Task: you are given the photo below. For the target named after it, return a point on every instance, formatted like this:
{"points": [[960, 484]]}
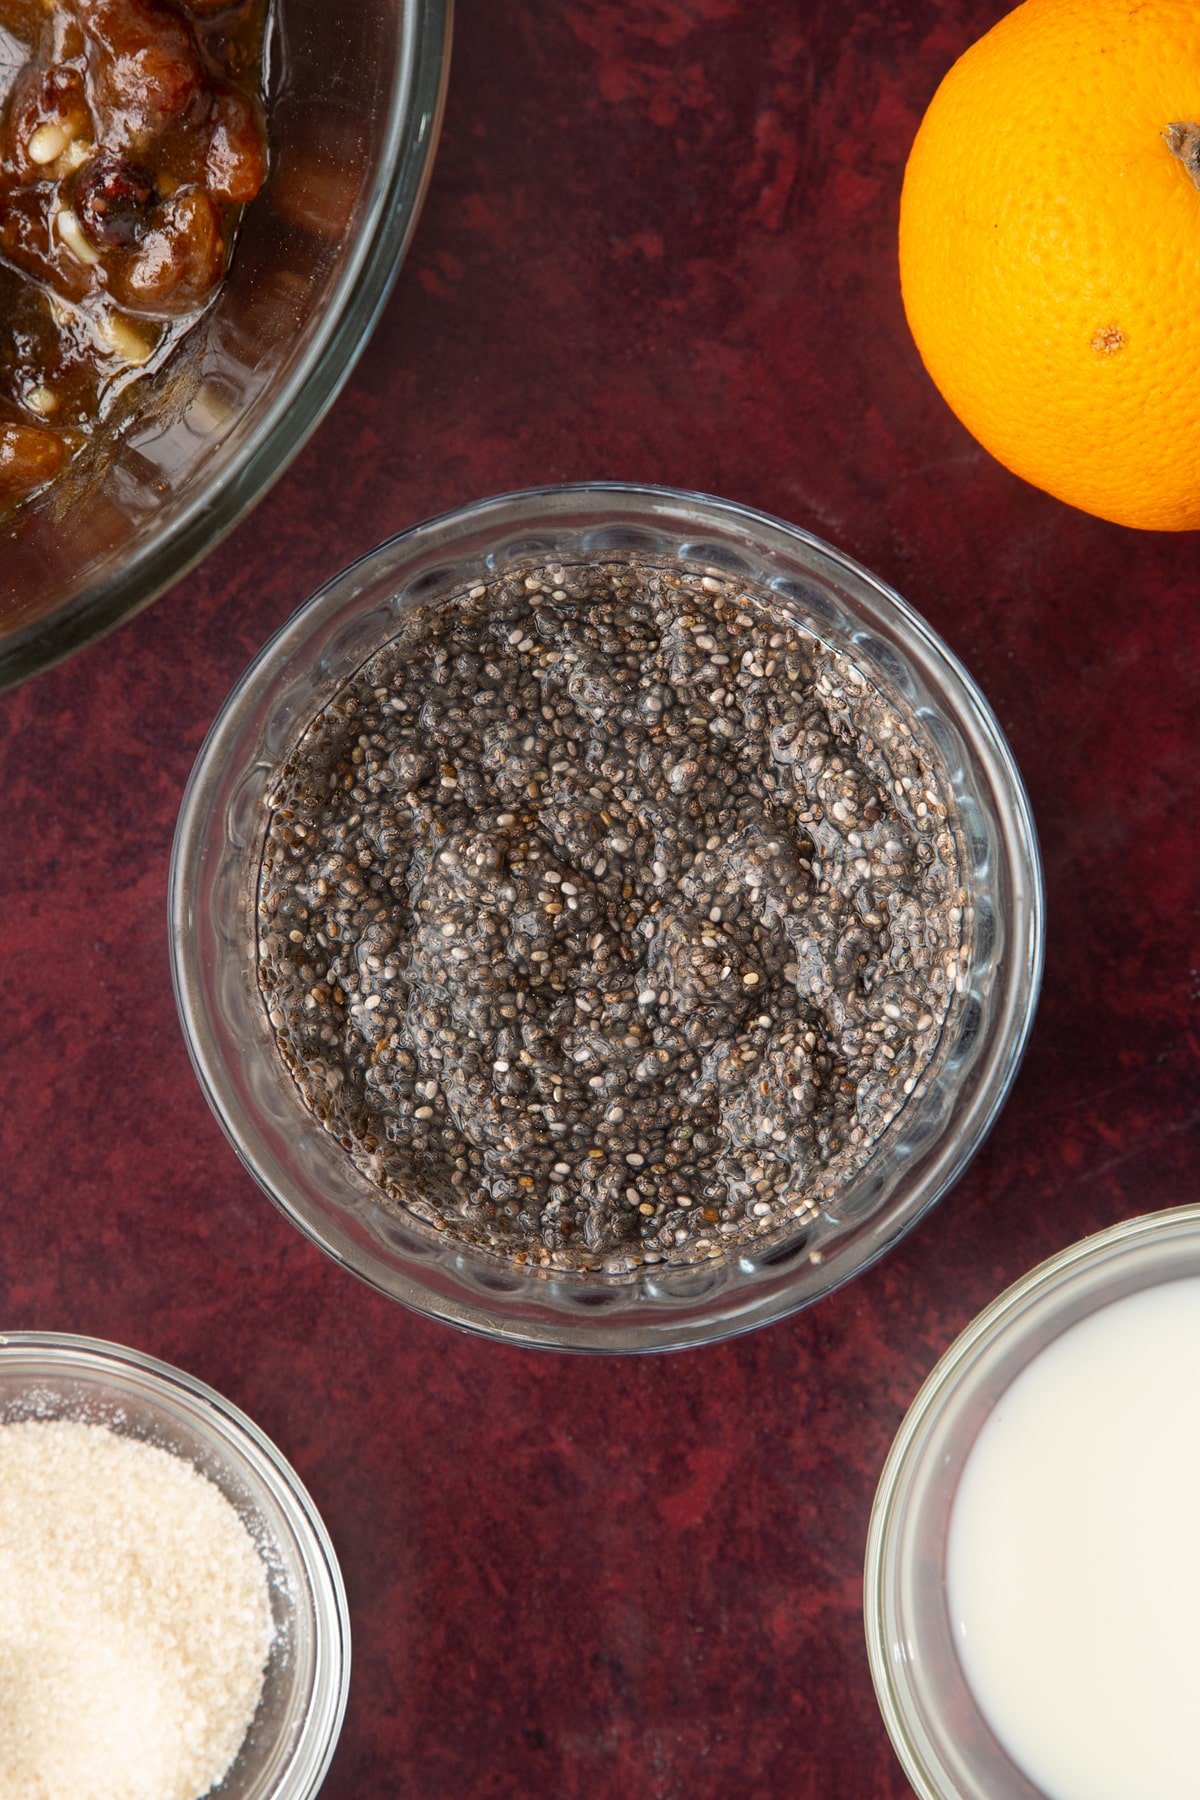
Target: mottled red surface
{"points": [[659, 245]]}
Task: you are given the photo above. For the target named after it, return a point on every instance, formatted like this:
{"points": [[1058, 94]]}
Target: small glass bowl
{"points": [[218, 850], [948, 1750], [56, 1375], [354, 100]]}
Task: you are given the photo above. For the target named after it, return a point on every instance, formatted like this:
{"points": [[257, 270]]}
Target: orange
{"points": [[1050, 251]]}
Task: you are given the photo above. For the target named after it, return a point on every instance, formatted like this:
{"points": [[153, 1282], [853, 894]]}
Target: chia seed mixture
{"points": [[608, 917]]}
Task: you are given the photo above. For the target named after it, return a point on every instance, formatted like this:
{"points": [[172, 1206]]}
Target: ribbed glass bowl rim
{"points": [[251, 1452], [654, 508], [299, 405], [1059, 1275]]}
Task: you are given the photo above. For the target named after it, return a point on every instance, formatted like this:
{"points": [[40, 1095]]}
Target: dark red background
{"points": [[659, 245]]}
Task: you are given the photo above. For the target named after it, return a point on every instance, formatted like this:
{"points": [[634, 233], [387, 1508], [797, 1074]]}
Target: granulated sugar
{"points": [[135, 1619]]}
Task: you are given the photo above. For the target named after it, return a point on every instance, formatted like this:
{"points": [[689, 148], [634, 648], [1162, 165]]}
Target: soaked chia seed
{"points": [[608, 917]]}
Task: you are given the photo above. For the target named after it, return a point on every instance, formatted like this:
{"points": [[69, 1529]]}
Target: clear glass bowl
{"points": [[353, 107], [215, 866], [943, 1740], [55, 1375]]}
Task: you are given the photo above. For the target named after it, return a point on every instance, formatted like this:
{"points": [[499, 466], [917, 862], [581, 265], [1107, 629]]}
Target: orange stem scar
{"points": [[1183, 141]]}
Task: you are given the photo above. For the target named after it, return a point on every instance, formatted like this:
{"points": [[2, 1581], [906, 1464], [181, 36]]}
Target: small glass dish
{"points": [[48, 1375], [942, 1738], [212, 907], [353, 101]]}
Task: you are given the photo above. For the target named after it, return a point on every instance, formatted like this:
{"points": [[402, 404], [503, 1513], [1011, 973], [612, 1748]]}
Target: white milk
{"points": [[1074, 1556]]}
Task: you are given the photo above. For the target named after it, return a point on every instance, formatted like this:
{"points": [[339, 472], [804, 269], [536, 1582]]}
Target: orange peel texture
{"points": [[1050, 252]]}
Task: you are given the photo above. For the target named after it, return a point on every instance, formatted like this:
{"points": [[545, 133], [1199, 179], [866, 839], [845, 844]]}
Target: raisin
{"points": [[145, 67], [236, 166], [28, 457], [114, 201], [180, 262]]}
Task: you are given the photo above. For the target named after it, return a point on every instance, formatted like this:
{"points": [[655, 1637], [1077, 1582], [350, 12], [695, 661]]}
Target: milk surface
{"points": [[1074, 1556]]}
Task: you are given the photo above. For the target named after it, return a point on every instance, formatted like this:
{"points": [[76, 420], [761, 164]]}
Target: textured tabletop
{"points": [[659, 245]]}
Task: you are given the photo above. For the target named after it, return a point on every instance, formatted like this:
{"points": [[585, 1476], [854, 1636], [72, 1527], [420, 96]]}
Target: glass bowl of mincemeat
{"points": [[197, 232], [606, 918]]}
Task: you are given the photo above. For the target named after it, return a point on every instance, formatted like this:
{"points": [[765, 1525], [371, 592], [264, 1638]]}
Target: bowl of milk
{"points": [[1032, 1586]]}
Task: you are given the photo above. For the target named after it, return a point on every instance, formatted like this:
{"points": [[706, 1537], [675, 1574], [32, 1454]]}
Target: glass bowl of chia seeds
{"points": [[65, 1382], [606, 918]]}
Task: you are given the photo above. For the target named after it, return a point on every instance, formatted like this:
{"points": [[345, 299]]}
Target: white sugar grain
{"points": [[135, 1619]]}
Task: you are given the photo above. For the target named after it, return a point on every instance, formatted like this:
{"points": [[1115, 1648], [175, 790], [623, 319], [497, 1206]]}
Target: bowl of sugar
{"points": [[172, 1618], [1033, 1565]]}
